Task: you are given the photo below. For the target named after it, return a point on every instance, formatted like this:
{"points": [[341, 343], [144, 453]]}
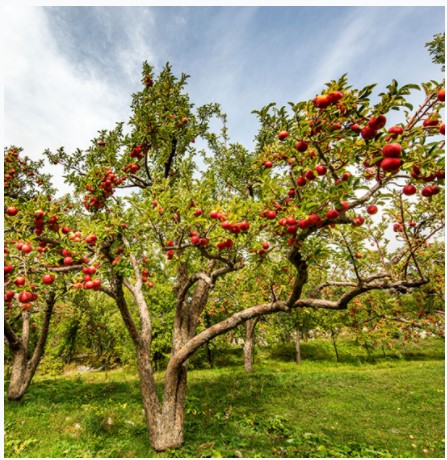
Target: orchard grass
{"points": [[381, 404]]}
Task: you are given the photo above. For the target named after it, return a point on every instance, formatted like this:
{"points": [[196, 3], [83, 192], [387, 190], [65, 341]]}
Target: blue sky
{"points": [[70, 71]]}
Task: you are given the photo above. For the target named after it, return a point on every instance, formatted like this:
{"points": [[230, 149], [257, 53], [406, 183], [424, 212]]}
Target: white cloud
{"points": [[48, 103]]}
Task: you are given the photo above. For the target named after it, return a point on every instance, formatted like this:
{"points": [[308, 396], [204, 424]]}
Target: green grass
{"points": [[390, 408]]}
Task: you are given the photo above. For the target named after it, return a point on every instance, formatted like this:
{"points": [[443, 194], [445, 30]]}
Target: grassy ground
{"points": [[393, 407]]}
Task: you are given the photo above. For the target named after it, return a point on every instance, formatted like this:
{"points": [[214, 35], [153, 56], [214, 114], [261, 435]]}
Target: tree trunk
{"points": [[164, 422], [23, 366], [249, 344], [297, 346], [334, 342], [21, 376]]}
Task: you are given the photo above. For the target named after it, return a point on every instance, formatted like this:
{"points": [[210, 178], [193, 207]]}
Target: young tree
{"points": [[305, 190]]}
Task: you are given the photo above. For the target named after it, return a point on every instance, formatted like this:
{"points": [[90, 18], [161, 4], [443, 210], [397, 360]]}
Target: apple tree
{"points": [[166, 214]]}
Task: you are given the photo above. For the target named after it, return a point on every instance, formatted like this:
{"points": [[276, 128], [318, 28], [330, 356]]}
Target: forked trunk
{"points": [[21, 375]]}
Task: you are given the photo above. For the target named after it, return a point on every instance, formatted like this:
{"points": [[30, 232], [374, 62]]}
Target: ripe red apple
{"points": [[198, 212], [25, 296], [356, 128], [12, 211], [372, 209], [301, 146], [345, 176], [8, 269], [48, 279], [96, 284], [268, 164], [322, 101], [290, 220], [390, 164], [398, 227], [150, 284], [358, 221], [265, 245], [270, 214], [39, 214], [87, 277], [291, 229], [303, 223], [335, 97], [27, 248], [344, 205], [332, 214], [244, 226], [392, 151], [282, 135], [20, 281], [282, 222], [430, 122], [88, 285], [377, 123], [321, 170], [442, 129], [396, 131], [441, 95], [291, 193], [430, 190], [101, 143], [412, 224], [68, 261], [358, 255], [213, 214], [170, 254], [195, 240], [226, 225], [310, 175], [65, 229], [301, 181], [368, 133], [315, 219]]}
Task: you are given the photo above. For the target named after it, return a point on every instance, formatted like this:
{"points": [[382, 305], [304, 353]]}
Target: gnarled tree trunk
{"points": [[249, 344]]}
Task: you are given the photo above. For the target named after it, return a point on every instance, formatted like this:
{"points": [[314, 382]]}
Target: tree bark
{"points": [[249, 344], [297, 345], [23, 366]]}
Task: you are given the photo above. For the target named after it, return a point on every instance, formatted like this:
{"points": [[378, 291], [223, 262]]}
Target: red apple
{"points": [[68, 261], [368, 133], [198, 212], [213, 214], [321, 170], [244, 226], [282, 135], [12, 211], [377, 123], [27, 248], [301, 146], [270, 215], [268, 164], [358, 255], [303, 223], [315, 219], [301, 181], [372, 209], [390, 164], [20, 281], [322, 101], [392, 151], [25, 297], [310, 175], [441, 95], [265, 245], [396, 131], [48, 279], [332, 214], [442, 129]]}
